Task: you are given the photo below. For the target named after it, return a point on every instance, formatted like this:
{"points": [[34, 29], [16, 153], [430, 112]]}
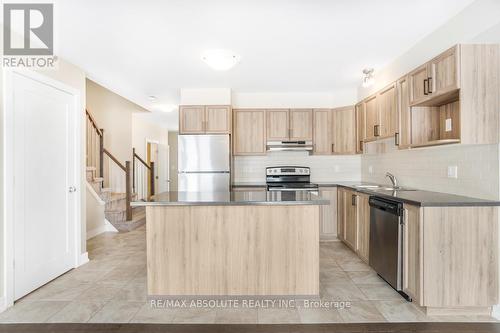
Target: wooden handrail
{"points": [[142, 161], [128, 191], [93, 122], [114, 159]]}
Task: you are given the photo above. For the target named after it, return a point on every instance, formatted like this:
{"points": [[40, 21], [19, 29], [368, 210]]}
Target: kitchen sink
{"points": [[367, 186]]}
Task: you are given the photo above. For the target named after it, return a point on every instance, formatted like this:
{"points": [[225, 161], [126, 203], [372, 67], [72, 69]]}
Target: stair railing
{"points": [[95, 158], [95, 145], [143, 177]]}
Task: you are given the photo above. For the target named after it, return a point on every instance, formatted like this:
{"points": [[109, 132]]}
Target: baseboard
{"points": [[495, 311], [3, 305], [84, 258], [106, 227]]}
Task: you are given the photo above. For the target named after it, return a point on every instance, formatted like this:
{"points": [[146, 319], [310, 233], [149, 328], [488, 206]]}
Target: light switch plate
{"points": [[447, 125], [453, 171]]}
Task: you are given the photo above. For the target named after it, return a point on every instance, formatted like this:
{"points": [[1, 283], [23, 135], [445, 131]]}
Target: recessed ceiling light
{"points": [[368, 79], [220, 60], [152, 98]]}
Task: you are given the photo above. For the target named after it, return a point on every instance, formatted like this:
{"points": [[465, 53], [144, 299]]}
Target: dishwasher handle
{"points": [[391, 207]]}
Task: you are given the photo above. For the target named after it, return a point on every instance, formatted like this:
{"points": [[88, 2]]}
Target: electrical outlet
{"points": [[370, 169], [453, 171], [447, 125]]}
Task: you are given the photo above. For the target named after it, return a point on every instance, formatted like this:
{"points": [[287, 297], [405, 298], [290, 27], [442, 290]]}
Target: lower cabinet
{"points": [[363, 239], [347, 217], [411, 252], [328, 214]]}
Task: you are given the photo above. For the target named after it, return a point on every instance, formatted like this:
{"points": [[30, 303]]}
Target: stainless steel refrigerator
{"points": [[203, 163]]}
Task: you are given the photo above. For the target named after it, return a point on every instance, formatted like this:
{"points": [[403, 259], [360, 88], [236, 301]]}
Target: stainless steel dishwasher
{"points": [[386, 240]]}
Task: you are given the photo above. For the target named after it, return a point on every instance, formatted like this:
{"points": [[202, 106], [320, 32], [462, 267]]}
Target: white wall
{"points": [[251, 169], [478, 22], [426, 168], [221, 96]]}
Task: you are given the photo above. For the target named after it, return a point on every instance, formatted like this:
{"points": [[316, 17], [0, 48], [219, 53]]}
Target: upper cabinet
{"points": [[418, 79], [360, 127], [431, 83], [322, 123], [301, 124], [284, 124], [344, 130], [403, 134], [388, 112], [371, 118], [278, 125], [249, 136], [199, 119], [192, 119]]}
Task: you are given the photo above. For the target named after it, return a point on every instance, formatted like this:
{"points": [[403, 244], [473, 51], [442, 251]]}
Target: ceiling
{"points": [[152, 47]]}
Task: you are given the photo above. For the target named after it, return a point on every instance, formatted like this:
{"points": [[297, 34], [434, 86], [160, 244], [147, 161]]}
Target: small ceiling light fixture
{"points": [[219, 59], [152, 98], [368, 79]]}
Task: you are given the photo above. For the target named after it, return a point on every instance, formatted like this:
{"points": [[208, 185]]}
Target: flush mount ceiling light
{"points": [[220, 60], [368, 79], [152, 98]]}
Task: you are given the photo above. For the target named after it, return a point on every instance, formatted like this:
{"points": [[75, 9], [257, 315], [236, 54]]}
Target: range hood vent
{"points": [[290, 146]]}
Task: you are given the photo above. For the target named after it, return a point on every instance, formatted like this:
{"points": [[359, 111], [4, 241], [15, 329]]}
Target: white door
{"points": [[45, 156]]}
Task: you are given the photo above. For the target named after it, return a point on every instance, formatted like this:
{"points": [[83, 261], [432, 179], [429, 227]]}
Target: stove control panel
{"points": [[288, 171]]}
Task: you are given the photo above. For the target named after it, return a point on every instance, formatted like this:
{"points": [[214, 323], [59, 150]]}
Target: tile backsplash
{"points": [[432, 168], [252, 169]]}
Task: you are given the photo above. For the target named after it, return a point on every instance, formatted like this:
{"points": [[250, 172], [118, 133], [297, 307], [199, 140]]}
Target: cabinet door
{"points": [[344, 130], [341, 202], [411, 252], [371, 117], [328, 215], [351, 220], [360, 127], [444, 72], [249, 135], [363, 237], [217, 119], [322, 140], [192, 119], [301, 124], [277, 125], [403, 136], [418, 80], [388, 111]]}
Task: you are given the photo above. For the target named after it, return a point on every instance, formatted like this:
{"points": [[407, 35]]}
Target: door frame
{"points": [[8, 176]]}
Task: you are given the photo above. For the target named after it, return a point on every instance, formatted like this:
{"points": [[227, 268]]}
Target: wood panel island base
{"points": [[233, 250]]}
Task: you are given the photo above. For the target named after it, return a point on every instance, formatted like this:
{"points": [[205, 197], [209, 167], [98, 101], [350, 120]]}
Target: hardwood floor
{"points": [[222, 328]]}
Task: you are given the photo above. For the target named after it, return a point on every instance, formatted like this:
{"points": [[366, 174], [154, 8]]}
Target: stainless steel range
{"points": [[289, 178]]}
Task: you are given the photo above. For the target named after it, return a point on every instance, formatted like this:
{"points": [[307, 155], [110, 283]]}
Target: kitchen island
{"points": [[233, 243]]}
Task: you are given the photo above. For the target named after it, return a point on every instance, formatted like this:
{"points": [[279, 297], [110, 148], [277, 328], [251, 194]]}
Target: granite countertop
{"points": [[233, 198], [413, 197]]}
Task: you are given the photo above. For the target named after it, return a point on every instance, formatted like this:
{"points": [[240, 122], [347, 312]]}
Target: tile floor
{"points": [[112, 288]]}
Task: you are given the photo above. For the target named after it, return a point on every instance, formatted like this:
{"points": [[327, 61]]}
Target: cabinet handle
{"points": [[353, 199], [425, 86], [333, 147], [360, 145], [376, 130], [396, 139], [429, 85]]}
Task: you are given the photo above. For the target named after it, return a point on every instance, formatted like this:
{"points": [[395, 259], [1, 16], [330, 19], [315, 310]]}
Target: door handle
{"points": [[72, 189]]}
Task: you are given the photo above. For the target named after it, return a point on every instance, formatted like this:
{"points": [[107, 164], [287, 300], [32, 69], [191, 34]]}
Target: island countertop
{"points": [[228, 198]]}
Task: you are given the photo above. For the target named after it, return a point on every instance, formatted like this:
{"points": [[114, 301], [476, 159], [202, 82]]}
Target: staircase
{"points": [[118, 210]]}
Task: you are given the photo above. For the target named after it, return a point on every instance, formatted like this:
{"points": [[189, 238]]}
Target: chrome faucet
{"points": [[393, 179]]}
